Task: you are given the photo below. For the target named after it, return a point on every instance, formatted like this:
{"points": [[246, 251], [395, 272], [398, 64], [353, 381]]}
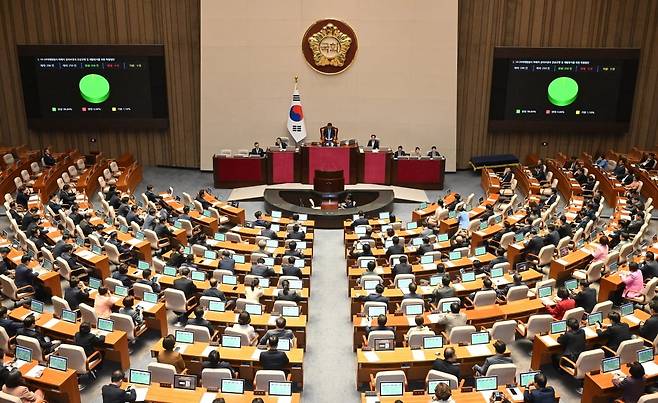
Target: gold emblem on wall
{"points": [[329, 46]]}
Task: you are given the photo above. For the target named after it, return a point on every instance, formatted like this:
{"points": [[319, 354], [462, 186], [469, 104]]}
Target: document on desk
{"points": [[633, 319], [133, 241], [650, 368], [208, 397], [479, 350], [85, 254], [548, 340], [371, 356], [181, 347], [590, 333], [434, 317], [256, 355], [487, 394], [418, 355], [411, 320], [145, 305], [272, 320], [207, 350], [372, 399], [35, 372], [459, 287], [52, 322], [365, 321], [141, 394], [284, 399]]}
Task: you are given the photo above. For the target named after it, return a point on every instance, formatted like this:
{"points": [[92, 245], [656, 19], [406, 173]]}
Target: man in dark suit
{"points": [[399, 153], [24, 275], [289, 269], [15, 214], [296, 233], [360, 221], [122, 275], [538, 392], [448, 364], [184, 283], [573, 340], [272, 359], [396, 248], [76, 293], [22, 197], [425, 247], [445, 291], [402, 268], [553, 236], [381, 325], [258, 222], [635, 225], [377, 296], [507, 176], [498, 358], [87, 340], [147, 280], [213, 291], [534, 245], [257, 150], [150, 194], [616, 332], [649, 267], [280, 331], [200, 321], [586, 297], [260, 269], [124, 207], [133, 216], [10, 326], [329, 135], [373, 142], [28, 330], [161, 229], [227, 262], [113, 393], [30, 218], [433, 153], [268, 231], [565, 229], [59, 246], [648, 330]]}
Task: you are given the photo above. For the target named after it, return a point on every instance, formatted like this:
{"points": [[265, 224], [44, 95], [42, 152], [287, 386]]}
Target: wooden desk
{"points": [[598, 387], [51, 280], [609, 186], [245, 358], [56, 385], [457, 396], [252, 233], [209, 224], [564, 266], [115, 346], [543, 347], [526, 182], [101, 263], [234, 214], [416, 363], [420, 214], [159, 394]]}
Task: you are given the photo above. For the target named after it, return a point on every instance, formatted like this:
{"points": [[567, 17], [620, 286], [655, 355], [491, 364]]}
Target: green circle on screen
{"points": [[94, 88], [562, 91]]}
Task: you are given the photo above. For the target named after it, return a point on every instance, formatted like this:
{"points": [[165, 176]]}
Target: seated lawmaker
{"points": [[257, 150]]}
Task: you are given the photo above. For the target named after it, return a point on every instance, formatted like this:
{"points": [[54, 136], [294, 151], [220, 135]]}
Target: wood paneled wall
{"points": [[484, 24], [174, 23]]}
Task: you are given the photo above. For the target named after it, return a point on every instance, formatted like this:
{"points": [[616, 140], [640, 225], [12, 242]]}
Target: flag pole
{"points": [[296, 79]]}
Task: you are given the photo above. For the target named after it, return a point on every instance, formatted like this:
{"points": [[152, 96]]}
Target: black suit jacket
{"points": [[114, 394], [446, 366], [565, 230], [24, 276], [360, 221], [90, 342], [291, 270], [573, 343], [10, 326], [274, 360], [202, 322], [650, 328], [401, 268], [586, 299], [186, 285], [424, 248], [299, 235], [75, 296], [535, 244], [45, 345], [395, 250], [373, 143], [214, 292], [615, 333], [376, 298]]}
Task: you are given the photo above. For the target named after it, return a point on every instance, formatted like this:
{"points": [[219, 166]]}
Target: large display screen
{"points": [[551, 89], [94, 86]]}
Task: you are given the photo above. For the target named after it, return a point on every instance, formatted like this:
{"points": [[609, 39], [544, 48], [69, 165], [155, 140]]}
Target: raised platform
{"points": [[301, 201]]}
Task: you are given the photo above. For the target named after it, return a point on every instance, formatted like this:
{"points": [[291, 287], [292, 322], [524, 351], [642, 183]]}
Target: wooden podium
{"points": [[329, 184]]}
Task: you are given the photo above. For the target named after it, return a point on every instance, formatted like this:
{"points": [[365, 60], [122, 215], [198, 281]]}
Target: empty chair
{"points": [[503, 330], [506, 373], [4, 339], [517, 293], [244, 337], [461, 334], [125, 323], [537, 324], [78, 360], [576, 313], [198, 250], [604, 307], [376, 335], [434, 375], [59, 304], [591, 274], [233, 237], [587, 361], [212, 377], [543, 259], [263, 378], [484, 298], [65, 270], [368, 304], [88, 314], [387, 376], [411, 301], [156, 243], [162, 373], [175, 301], [205, 301], [12, 292]]}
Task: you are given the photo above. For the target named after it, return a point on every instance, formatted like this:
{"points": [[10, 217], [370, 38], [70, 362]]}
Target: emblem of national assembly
{"points": [[329, 46]]}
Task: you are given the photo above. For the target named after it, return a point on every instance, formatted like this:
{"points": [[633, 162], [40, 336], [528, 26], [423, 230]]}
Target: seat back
{"points": [[576, 313], [139, 289], [124, 323], [624, 252], [9, 289], [484, 298], [162, 373], [506, 240], [652, 398], [390, 376], [204, 301], [588, 361], [212, 377], [503, 330], [263, 378], [112, 253], [563, 242], [627, 350], [368, 304], [33, 344], [244, 337], [450, 300], [649, 290], [76, 357], [201, 333], [434, 375], [604, 307], [613, 257], [375, 335], [187, 226], [546, 255], [506, 373], [175, 300], [4, 340], [59, 304], [399, 277], [112, 283], [63, 268], [517, 292], [151, 237], [594, 272], [461, 334], [7, 398], [88, 314], [411, 301], [396, 256], [233, 237], [538, 324], [277, 308], [416, 339]]}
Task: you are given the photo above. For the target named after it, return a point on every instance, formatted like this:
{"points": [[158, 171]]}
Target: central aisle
{"points": [[330, 363]]}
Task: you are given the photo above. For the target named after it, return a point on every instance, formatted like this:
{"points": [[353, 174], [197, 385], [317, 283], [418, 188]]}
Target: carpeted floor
{"points": [[329, 364]]}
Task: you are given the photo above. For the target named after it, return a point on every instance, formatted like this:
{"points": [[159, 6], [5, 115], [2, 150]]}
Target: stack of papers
{"points": [[141, 394], [479, 350], [52, 322], [650, 368], [548, 340], [633, 319], [256, 355], [85, 254], [35, 372], [418, 355], [371, 356]]}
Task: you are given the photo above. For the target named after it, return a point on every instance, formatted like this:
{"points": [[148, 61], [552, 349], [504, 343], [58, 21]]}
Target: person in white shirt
{"points": [[243, 326]]}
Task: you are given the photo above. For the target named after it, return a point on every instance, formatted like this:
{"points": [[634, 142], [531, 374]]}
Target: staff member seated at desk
{"points": [[448, 364], [632, 387], [573, 341], [401, 268], [433, 153], [381, 325], [377, 296], [169, 356], [113, 393], [243, 325], [564, 304], [373, 142], [257, 150], [29, 330], [329, 135], [396, 248], [213, 291], [10, 326], [399, 153], [214, 362], [273, 359], [538, 392], [76, 293], [15, 386], [615, 332], [498, 358], [281, 332], [87, 340]]}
